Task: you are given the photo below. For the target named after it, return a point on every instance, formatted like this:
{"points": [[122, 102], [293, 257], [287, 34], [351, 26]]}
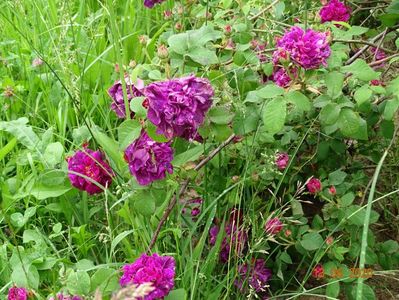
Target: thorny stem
{"points": [[183, 187]]}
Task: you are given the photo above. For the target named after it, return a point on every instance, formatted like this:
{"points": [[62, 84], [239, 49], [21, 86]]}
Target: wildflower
{"points": [[314, 185], [227, 29], [194, 205], [329, 240], [151, 3], [255, 274], [155, 269], [273, 226], [149, 160], [90, 164], [282, 160], [167, 14], [116, 93], [287, 232], [16, 293], [37, 62], [335, 10], [283, 78], [318, 272], [178, 26], [178, 106], [235, 239], [332, 190], [376, 82], [308, 49], [162, 51]]}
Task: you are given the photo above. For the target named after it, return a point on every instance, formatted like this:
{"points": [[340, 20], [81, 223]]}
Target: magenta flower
{"points": [[308, 49], [158, 270], [16, 293], [282, 78], [256, 275], [282, 160], [89, 163], [235, 239], [335, 10], [116, 93], [151, 3], [378, 54], [178, 106], [273, 226], [149, 160], [61, 296], [314, 185], [318, 272]]}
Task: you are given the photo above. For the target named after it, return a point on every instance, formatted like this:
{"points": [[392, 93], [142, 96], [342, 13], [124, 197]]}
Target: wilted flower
{"points": [[90, 164], [273, 226], [256, 275], [8, 92], [151, 3], [149, 160], [235, 239], [155, 269], [318, 272], [163, 51], [314, 185], [309, 49], [167, 14], [37, 62], [329, 240], [16, 293], [335, 10], [227, 29], [116, 93], [282, 160], [178, 106], [378, 54], [376, 82], [282, 78]]}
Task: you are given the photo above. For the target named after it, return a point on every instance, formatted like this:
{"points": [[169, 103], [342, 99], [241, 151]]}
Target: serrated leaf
{"points": [[329, 114], [348, 122], [220, 115], [270, 91], [361, 70], [274, 114], [334, 82], [300, 101]]}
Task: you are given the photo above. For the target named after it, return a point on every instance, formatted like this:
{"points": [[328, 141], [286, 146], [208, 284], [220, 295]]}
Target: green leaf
{"points": [[53, 154], [390, 109], [361, 70], [362, 95], [78, 283], [270, 91], [25, 276], [300, 101], [274, 115], [118, 239], [136, 106], [348, 122], [179, 294], [368, 293], [23, 133], [144, 202], [356, 215], [361, 133], [203, 56], [312, 241], [152, 133], [332, 289], [220, 115], [189, 155], [105, 279], [7, 148], [337, 177], [390, 247], [41, 192], [128, 131], [334, 82], [347, 199], [329, 114]]}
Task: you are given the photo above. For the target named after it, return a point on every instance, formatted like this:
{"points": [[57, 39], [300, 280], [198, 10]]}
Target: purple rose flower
{"points": [[256, 275], [90, 164], [273, 226], [158, 270], [16, 293], [149, 160], [282, 78], [151, 3], [116, 93], [178, 106], [314, 185], [308, 49], [282, 160], [335, 10], [235, 239]]}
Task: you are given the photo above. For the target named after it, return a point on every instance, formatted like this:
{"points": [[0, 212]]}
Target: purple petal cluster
{"points": [[151, 3], [159, 270], [16, 293], [116, 93], [283, 78], [61, 296], [90, 164], [235, 239], [256, 275], [178, 106], [308, 49], [335, 10], [273, 226], [282, 160], [149, 160]]}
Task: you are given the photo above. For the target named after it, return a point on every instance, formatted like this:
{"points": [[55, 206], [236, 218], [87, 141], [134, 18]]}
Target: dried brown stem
{"points": [[183, 187]]}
